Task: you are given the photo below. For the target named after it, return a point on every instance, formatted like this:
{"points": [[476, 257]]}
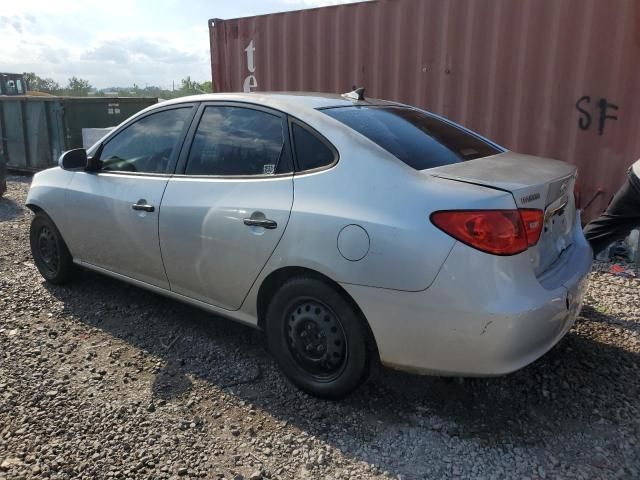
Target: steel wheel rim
{"points": [[316, 339], [48, 250]]}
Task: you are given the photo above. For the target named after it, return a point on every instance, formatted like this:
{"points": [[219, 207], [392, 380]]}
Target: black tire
{"points": [[50, 253], [319, 339]]}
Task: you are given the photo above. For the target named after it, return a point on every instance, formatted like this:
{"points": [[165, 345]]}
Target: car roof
{"points": [[287, 101]]}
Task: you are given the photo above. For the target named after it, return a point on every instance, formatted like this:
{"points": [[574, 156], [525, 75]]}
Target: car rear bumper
{"points": [[484, 315]]}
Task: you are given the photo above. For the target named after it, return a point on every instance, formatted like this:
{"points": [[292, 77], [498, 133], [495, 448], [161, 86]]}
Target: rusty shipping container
{"points": [[558, 78]]}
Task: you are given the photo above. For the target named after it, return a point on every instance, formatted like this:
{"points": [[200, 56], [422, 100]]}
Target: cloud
{"points": [[95, 40], [142, 59], [55, 55], [107, 52], [20, 23], [139, 49]]}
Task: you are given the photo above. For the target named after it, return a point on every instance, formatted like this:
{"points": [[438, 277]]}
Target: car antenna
{"points": [[355, 94]]}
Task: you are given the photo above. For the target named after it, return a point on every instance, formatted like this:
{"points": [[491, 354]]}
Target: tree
{"points": [[187, 87], [32, 80], [206, 87], [78, 87], [39, 84], [191, 87]]}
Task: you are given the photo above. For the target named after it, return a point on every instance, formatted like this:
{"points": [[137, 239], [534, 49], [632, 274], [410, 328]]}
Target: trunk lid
{"points": [[534, 182]]}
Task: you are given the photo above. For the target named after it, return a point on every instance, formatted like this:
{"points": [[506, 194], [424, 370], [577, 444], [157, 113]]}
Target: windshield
{"points": [[417, 138]]}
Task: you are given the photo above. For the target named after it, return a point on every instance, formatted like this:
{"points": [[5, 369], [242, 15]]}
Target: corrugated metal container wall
{"points": [[34, 131], [558, 78]]}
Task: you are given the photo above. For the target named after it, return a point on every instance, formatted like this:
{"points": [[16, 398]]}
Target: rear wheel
{"points": [[320, 341], [50, 253]]}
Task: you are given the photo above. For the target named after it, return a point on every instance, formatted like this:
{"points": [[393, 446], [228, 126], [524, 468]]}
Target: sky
{"points": [[120, 42]]}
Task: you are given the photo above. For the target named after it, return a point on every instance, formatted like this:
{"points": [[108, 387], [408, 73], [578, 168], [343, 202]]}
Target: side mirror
{"points": [[73, 159], [93, 163]]}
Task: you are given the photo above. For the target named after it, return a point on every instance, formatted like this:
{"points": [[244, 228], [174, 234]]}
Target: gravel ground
{"points": [[102, 380]]}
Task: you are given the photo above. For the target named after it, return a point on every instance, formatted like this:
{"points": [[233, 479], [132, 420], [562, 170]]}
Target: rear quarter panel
{"points": [[391, 201]]}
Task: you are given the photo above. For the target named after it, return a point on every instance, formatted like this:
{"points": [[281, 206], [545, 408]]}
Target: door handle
{"points": [[261, 222], [142, 205]]}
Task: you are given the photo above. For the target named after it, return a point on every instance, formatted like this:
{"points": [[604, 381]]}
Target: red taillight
{"points": [[533, 220], [500, 232]]}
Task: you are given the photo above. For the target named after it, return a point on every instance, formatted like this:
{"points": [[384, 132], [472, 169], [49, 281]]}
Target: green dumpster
{"points": [[3, 172], [36, 130]]}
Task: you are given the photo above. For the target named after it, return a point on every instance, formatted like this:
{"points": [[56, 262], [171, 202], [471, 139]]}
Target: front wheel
{"points": [[50, 253], [320, 341]]}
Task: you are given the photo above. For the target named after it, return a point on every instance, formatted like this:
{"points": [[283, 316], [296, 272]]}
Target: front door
{"points": [[114, 212], [224, 215]]}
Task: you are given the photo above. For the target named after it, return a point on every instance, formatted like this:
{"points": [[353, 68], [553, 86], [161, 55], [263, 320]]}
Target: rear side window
{"points": [[311, 152], [236, 141], [418, 139]]}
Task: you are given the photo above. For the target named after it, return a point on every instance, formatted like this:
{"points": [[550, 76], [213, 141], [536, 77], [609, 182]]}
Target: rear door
{"points": [[224, 213], [115, 210]]}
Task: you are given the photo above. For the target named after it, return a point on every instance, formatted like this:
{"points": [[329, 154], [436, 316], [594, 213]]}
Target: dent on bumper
{"points": [[483, 316]]}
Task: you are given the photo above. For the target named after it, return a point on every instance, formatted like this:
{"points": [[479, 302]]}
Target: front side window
{"points": [[236, 141], [146, 145], [311, 152], [418, 139]]}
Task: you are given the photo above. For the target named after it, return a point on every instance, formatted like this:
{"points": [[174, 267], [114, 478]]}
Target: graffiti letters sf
{"points": [[603, 110]]}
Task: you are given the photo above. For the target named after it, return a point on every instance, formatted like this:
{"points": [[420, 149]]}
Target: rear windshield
{"points": [[418, 139]]}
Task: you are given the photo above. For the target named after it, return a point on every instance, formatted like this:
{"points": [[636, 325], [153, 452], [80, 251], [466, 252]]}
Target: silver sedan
{"points": [[352, 231]]}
